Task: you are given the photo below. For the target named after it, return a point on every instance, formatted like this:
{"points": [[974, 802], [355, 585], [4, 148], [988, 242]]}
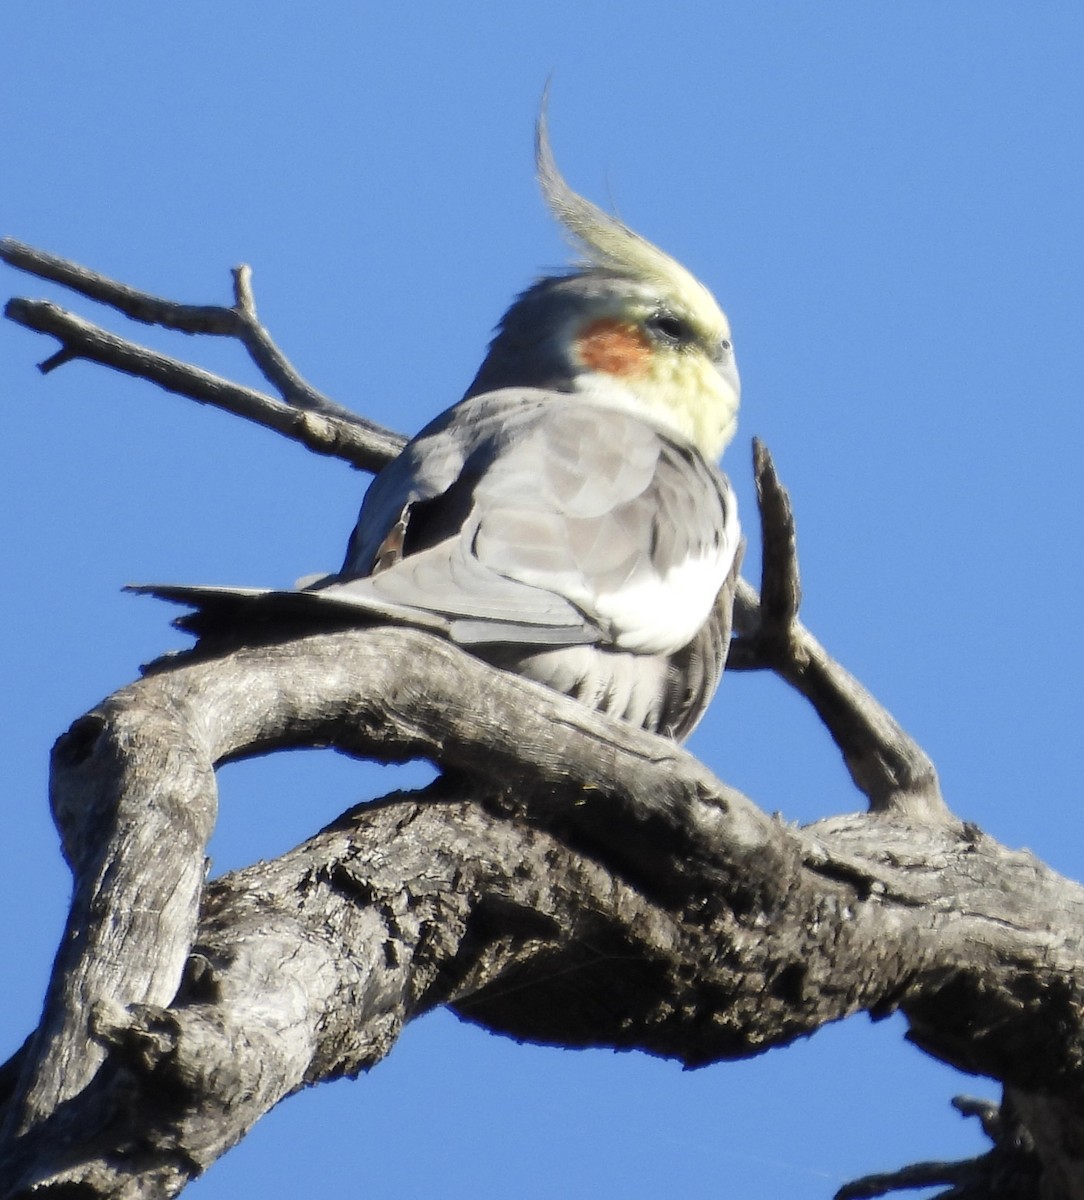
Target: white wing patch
{"points": [[660, 614]]}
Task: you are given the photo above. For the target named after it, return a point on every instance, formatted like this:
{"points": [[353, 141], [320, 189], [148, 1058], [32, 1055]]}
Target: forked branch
{"points": [[601, 889], [302, 413]]}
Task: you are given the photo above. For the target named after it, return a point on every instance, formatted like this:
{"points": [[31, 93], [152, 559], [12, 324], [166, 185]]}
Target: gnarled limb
{"points": [[605, 891], [605, 863]]}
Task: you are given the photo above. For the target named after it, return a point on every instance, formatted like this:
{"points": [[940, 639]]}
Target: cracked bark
{"points": [[595, 886]]}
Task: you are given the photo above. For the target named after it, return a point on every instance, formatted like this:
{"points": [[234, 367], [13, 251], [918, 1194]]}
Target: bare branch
{"points": [[338, 432], [358, 442], [273, 364], [139, 306], [596, 887], [918, 1175], [780, 583], [605, 863], [239, 322], [1011, 1170], [887, 765]]}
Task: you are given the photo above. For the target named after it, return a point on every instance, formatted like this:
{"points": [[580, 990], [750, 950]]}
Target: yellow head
{"points": [[629, 326]]}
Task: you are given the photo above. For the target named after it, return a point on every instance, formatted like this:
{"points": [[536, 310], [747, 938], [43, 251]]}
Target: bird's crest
{"points": [[610, 244]]}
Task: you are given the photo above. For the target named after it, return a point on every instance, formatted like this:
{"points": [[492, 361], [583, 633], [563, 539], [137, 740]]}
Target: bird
{"points": [[566, 519]]}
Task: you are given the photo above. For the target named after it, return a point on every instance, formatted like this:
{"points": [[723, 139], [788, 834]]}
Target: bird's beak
{"points": [[728, 370]]}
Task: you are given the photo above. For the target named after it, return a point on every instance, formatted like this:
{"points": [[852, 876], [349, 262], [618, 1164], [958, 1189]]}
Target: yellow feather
{"points": [[609, 243]]}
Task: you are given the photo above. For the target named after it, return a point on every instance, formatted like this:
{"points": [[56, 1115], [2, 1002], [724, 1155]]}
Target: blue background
{"points": [[886, 198]]}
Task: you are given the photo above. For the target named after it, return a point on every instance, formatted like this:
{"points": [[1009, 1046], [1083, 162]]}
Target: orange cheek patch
{"points": [[613, 346]]}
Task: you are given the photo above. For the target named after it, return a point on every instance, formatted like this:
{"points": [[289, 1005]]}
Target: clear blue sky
{"points": [[887, 199]]}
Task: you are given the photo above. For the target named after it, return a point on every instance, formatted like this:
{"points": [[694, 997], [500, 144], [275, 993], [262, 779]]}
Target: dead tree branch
{"points": [[595, 886], [886, 764], [605, 863], [302, 414]]}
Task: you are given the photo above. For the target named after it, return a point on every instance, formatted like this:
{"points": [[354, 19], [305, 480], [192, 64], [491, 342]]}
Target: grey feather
{"points": [[508, 525]]}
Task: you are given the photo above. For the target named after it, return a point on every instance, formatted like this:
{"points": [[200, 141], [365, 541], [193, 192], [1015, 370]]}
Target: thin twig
{"points": [[273, 364], [360, 443], [239, 322], [139, 306], [918, 1175]]}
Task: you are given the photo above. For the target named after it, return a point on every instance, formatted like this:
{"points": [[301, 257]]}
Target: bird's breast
{"points": [[658, 614]]}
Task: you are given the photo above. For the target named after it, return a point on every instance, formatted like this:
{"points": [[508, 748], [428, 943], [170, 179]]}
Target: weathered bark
{"points": [[589, 885], [631, 899]]}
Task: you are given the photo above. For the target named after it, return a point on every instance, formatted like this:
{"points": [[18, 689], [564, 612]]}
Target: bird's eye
{"points": [[725, 346], [669, 328]]}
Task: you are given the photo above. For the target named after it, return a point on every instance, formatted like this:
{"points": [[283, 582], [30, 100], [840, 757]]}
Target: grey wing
{"points": [[567, 523], [413, 520], [632, 527], [414, 548], [527, 517], [429, 464]]}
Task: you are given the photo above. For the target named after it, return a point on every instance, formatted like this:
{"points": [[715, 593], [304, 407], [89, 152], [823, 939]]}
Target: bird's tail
{"points": [[254, 613]]}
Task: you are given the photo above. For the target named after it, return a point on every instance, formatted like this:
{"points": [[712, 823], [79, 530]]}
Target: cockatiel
{"points": [[565, 520]]}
